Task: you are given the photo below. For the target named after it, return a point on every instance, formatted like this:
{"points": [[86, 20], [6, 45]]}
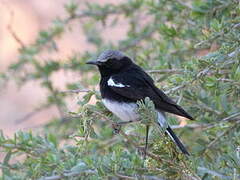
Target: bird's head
{"points": [[111, 61]]}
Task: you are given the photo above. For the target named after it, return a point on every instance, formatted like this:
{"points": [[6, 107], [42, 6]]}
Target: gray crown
{"points": [[110, 54]]}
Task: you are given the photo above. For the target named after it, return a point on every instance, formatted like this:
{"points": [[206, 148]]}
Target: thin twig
{"points": [[201, 73], [234, 53], [193, 126], [124, 176], [32, 113], [229, 80], [138, 40], [153, 156], [232, 116], [164, 71], [69, 174], [176, 88], [209, 109], [210, 125], [85, 14], [75, 91], [56, 98], [97, 14], [213, 173], [11, 31], [219, 137], [184, 4]]}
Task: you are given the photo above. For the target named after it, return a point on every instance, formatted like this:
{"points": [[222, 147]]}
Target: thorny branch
{"points": [[210, 125], [219, 137], [153, 156], [214, 173], [68, 174], [164, 71], [75, 91], [32, 113], [148, 153], [200, 74], [138, 40], [12, 32]]}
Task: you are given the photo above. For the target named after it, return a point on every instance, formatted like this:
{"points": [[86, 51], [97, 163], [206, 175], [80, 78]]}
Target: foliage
{"points": [[165, 38]]}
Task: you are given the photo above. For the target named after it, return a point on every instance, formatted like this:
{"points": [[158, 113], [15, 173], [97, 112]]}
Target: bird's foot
{"points": [[143, 152], [116, 128]]}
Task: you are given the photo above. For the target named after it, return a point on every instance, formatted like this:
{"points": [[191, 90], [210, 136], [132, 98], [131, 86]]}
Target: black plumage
{"points": [[141, 86], [123, 81]]}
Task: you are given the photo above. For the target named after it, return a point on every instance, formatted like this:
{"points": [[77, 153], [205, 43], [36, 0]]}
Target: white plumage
{"points": [[128, 111], [161, 119], [124, 111], [111, 82]]}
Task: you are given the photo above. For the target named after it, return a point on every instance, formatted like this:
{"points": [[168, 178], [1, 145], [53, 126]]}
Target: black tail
{"points": [[170, 132]]}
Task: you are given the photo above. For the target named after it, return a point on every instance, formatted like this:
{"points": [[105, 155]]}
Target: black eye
{"points": [[111, 62]]}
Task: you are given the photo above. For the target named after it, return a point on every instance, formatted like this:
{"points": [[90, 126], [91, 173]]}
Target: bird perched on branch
{"points": [[123, 83]]}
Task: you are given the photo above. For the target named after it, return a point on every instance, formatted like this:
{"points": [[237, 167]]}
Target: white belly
{"points": [[127, 111], [124, 111]]}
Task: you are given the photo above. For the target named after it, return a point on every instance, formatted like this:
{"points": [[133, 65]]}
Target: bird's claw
{"points": [[116, 128], [143, 152]]}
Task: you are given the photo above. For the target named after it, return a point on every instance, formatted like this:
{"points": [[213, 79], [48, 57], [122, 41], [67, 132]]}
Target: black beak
{"points": [[93, 62]]}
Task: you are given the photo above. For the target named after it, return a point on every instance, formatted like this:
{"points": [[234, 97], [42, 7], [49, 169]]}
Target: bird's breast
{"points": [[124, 111]]}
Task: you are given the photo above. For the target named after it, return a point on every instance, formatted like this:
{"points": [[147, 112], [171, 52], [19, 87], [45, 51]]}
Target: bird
{"points": [[123, 83]]}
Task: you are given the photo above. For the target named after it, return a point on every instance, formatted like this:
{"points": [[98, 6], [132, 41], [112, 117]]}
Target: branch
{"points": [[185, 4], [231, 117], [210, 125], [190, 175], [201, 73], [164, 71], [75, 91], [236, 25], [234, 53], [14, 35], [138, 40], [213, 173], [193, 126], [176, 88], [220, 7], [69, 174], [219, 137], [209, 109], [124, 176], [32, 113], [95, 13], [229, 80], [151, 155]]}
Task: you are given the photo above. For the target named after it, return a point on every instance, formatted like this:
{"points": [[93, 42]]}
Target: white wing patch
{"points": [[111, 82]]}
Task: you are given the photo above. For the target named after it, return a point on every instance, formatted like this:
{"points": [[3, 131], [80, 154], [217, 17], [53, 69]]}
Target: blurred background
{"points": [[190, 48], [25, 18]]}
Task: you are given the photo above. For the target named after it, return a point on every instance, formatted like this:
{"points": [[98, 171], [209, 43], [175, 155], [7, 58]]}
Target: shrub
{"points": [[167, 38]]}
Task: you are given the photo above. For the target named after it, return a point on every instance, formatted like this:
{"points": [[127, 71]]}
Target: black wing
{"points": [[138, 85]]}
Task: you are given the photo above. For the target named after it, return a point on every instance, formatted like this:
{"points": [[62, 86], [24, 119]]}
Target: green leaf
{"points": [[86, 98], [5, 170]]}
